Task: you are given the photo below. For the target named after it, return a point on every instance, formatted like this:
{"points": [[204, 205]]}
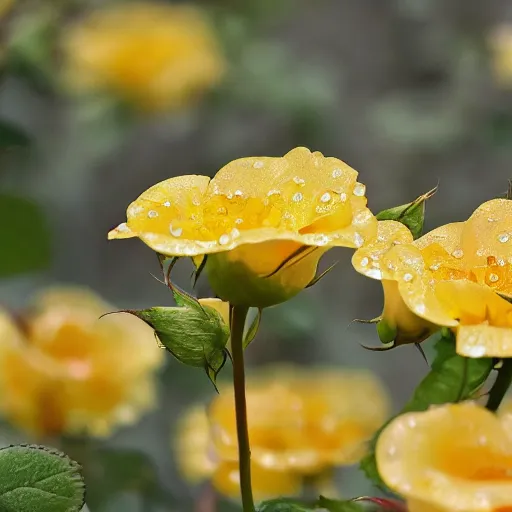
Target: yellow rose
{"points": [[263, 223], [68, 371], [500, 43], [157, 56], [452, 458], [457, 276], [302, 423]]}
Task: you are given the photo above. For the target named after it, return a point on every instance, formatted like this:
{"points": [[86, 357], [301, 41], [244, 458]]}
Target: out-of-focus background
{"points": [[411, 93]]}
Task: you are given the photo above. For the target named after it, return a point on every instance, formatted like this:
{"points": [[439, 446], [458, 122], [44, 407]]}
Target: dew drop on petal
{"points": [[224, 239], [364, 262], [490, 219], [343, 197], [475, 351], [238, 193], [408, 277], [503, 238], [434, 267], [222, 210], [273, 192], [298, 181], [297, 197], [458, 253], [235, 233], [336, 173], [167, 204], [493, 278], [152, 214], [325, 198], [358, 240], [175, 231], [196, 202], [359, 189], [258, 164], [123, 228], [239, 221], [501, 262], [411, 422]]}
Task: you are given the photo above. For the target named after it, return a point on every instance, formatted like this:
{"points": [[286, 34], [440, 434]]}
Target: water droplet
{"points": [[273, 192], [480, 252], [239, 221], [123, 228], [322, 240], [298, 181], [297, 197], [458, 253], [167, 204], [420, 309], [336, 173], [224, 239], [196, 202], [408, 277], [501, 262], [475, 351], [343, 197], [503, 238], [258, 164], [364, 262], [490, 219], [229, 195], [287, 215], [235, 233], [175, 231], [222, 210], [238, 193], [434, 267], [152, 214], [391, 451], [358, 240], [493, 278], [359, 189], [325, 198], [411, 423]]}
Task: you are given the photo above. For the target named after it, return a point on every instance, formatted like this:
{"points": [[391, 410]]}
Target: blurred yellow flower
{"points": [[458, 276], [302, 423], [157, 56], [452, 458], [263, 222], [68, 371], [5, 7], [500, 43]]}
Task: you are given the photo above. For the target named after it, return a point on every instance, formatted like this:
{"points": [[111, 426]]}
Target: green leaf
{"points": [[411, 215], [196, 336], [39, 479], [339, 506], [11, 136], [452, 378], [251, 332], [283, 505], [24, 235]]}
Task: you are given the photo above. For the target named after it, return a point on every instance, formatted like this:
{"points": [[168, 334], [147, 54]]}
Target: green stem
{"points": [[500, 387], [238, 316]]}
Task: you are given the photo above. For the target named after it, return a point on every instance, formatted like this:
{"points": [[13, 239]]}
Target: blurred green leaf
{"points": [[108, 472], [194, 334], [39, 479], [24, 237], [339, 506], [282, 505], [452, 378], [411, 215], [12, 136]]}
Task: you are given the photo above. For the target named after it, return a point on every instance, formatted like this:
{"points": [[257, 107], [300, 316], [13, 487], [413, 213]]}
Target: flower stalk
{"points": [[238, 316]]}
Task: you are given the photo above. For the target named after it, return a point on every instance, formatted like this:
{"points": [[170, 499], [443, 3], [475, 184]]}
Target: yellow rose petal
{"points": [[454, 457]]}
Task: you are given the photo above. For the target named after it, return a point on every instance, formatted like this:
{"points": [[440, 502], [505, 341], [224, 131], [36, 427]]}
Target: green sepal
{"points": [[387, 333], [252, 330], [194, 334], [452, 378], [411, 215]]}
